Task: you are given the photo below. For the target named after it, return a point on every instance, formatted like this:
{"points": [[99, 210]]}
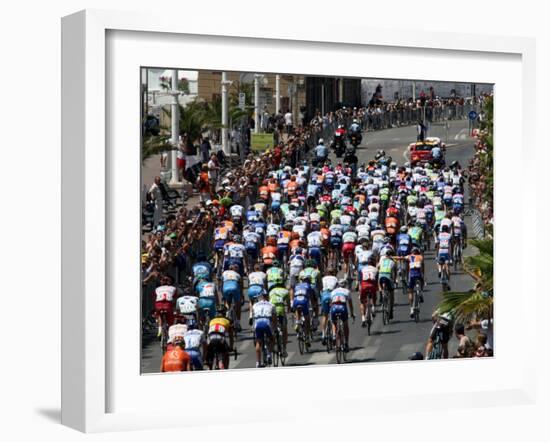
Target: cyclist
{"points": [[349, 239], [314, 243], [300, 296], [220, 338], [416, 273], [296, 264], [208, 299], [386, 277], [195, 344], [232, 290], [165, 295], [279, 296], [459, 231], [264, 322], [415, 232], [176, 358], [441, 332], [368, 277], [202, 269], [256, 286], [329, 283], [444, 251], [340, 301], [312, 275], [275, 275], [270, 252], [251, 243], [235, 254]]}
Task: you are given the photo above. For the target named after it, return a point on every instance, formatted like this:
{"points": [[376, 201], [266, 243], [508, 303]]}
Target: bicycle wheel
{"points": [[369, 317], [416, 302], [301, 341], [385, 308], [455, 258], [328, 336]]}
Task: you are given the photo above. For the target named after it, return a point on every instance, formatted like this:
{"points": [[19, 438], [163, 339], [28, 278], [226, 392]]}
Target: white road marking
{"points": [[406, 155], [396, 139], [462, 135]]}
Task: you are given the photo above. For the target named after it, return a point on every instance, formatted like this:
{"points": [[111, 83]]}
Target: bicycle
{"points": [[340, 340], [164, 331], [445, 278], [301, 336], [328, 334], [386, 305], [278, 354], [349, 274], [402, 275], [232, 318], [457, 253], [416, 301], [265, 353], [437, 349]]}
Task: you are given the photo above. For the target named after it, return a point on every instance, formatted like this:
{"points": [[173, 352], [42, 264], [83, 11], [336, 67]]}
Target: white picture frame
{"points": [[89, 216]]}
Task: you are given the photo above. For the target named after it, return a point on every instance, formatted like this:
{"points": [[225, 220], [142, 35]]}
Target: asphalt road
{"points": [[402, 337]]}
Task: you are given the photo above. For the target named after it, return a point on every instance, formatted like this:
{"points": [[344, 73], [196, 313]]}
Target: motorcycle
{"points": [[339, 142], [355, 139]]}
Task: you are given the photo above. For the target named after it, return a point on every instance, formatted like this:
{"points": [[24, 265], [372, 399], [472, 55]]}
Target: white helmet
{"points": [[321, 141]]}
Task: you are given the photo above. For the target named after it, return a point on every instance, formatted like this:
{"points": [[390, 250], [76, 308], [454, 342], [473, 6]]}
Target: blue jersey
{"points": [[312, 189], [403, 243], [303, 290], [202, 270]]}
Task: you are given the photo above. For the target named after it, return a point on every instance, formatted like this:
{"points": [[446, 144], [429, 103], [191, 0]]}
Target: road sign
{"points": [[242, 100], [261, 141], [472, 115]]}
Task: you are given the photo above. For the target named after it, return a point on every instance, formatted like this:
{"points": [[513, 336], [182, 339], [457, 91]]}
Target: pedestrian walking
{"points": [[288, 122], [155, 195], [205, 149], [213, 172]]}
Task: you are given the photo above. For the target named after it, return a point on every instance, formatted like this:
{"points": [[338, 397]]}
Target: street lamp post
{"points": [[175, 129], [225, 84], [277, 94], [257, 78]]}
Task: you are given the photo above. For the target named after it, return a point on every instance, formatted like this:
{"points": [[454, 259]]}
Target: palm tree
{"points": [[478, 302]]}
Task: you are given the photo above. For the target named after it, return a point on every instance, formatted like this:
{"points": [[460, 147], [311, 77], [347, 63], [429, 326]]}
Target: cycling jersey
{"points": [[275, 276], [234, 250], [368, 273], [314, 239], [349, 237], [221, 233], [386, 266], [187, 304], [279, 297], [236, 211], [329, 282], [193, 339], [206, 289], [444, 240], [165, 293], [415, 265], [257, 278], [202, 270]]}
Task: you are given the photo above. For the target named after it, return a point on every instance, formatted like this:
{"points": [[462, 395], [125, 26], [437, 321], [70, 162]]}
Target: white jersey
{"points": [[230, 275], [444, 240], [260, 207], [165, 293], [314, 239], [235, 250], [176, 331], [193, 339], [378, 235], [339, 296], [314, 217], [349, 237], [336, 230], [412, 210], [300, 228], [187, 304], [363, 231], [362, 254], [457, 225], [345, 220], [329, 282], [446, 222], [296, 263], [263, 309], [208, 290], [369, 273], [257, 278], [236, 211], [272, 229], [275, 197]]}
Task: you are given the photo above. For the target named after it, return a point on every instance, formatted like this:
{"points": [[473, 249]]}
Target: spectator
{"points": [[205, 149], [421, 131], [213, 172], [155, 195], [288, 122], [203, 184], [465, 345]]}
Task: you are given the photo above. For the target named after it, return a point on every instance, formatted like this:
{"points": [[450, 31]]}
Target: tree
{"points": [[478, 302]]}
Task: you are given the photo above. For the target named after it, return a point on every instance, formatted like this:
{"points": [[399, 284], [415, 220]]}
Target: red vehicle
{"points": [[421, 151]]}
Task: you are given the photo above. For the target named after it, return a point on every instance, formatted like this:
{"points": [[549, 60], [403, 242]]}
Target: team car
{"points": [[421, 151]]}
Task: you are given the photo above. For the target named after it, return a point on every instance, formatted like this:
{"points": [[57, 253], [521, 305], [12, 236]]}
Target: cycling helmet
{"points": [[321, 141], [364, 213], [387, 240], [342, 283], [221, 310], [275, 263], [416, 356], [415, 251], [418, 224], [311, 263], [237, 238], [403, 229], [191, 324]]}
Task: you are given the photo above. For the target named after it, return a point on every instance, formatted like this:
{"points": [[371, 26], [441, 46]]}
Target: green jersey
{"points": [[386, 266], [415, 233], [275, 275], [279, 297], [411, 200]]}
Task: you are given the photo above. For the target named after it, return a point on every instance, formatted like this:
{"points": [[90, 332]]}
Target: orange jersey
{"points": [[228, 225], [175, 359], [273, 187], [295, 243], [264, 192], [325, 233], [269, 253], [291, 187], [415, 261]]}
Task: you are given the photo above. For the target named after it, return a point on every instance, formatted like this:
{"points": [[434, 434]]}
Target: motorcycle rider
{"points": [[355, 130], [321, 152]]}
